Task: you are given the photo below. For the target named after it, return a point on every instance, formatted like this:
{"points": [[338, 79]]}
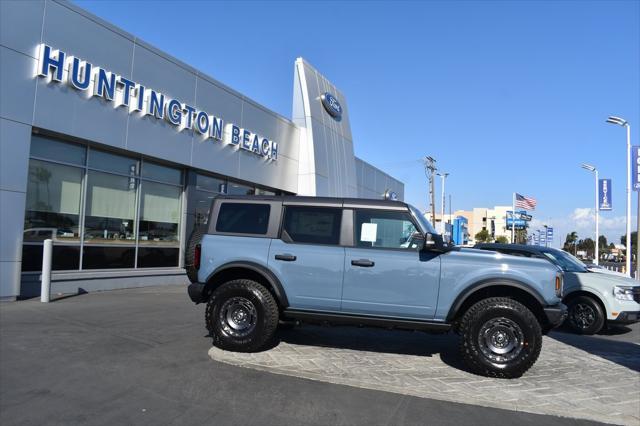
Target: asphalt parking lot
{"points": [[141, 356]]}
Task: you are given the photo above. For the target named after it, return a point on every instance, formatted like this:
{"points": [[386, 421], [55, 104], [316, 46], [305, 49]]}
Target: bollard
{"points": [[45, 290]]}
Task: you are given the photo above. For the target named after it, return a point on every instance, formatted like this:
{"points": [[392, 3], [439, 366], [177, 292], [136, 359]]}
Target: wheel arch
{"points": [[498, 288], [569, 297], [247, 270]]}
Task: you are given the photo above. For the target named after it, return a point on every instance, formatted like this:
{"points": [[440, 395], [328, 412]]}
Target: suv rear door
{"points": [[385, 271], [308, 257]]}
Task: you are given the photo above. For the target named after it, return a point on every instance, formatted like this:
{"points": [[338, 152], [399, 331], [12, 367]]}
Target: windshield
{"points": [[564, 260], [422, 221]]}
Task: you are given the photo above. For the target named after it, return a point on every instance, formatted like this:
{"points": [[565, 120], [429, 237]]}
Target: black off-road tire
{"points": [[245, 295], [194, 240], [585, 315], [503, 316]]}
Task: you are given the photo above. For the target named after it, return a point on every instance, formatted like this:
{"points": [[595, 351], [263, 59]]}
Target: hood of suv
{"points": [[599, 281]]}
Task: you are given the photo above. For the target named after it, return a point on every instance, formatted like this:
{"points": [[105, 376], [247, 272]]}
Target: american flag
{"points": [[526, 203]]}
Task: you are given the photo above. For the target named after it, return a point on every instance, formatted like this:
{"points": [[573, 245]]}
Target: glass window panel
{"points": [[108, 257], [58, 151], [207, 183], [63, 258], [113, 163], [315, 225], [110, 209], [384, 229], [161, 173], [159, 214], [243, 218], [156, 257], [264, 192], [53, 202], [238, 189], [202, 201]]}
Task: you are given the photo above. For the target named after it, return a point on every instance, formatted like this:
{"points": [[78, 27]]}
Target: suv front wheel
{"points": [[241, 316], [500, 338]]}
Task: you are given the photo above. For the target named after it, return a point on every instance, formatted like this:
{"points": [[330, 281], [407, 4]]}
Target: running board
{"points": [[365, 320]]}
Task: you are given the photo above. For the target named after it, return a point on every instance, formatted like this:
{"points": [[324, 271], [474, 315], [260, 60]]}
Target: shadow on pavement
{"points": [[378, 340], [626, 354]]}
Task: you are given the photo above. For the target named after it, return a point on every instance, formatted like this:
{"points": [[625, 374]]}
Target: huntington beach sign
{"points": [[56, 66]]}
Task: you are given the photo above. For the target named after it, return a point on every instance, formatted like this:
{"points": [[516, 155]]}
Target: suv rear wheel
{"points": [[241, 316], [585, 315], [500, 338]]}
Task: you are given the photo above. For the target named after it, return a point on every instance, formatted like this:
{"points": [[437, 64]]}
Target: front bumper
{"points": [[626, 317], [196, 292], [556, 314]]}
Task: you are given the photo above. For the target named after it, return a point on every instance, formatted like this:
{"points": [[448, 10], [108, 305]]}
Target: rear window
{"points": [[314, 225], [243, 218]]}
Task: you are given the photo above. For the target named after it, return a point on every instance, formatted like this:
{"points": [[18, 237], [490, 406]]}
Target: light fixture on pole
{"points": [[442, 225], [593, 169], [622, 122]]}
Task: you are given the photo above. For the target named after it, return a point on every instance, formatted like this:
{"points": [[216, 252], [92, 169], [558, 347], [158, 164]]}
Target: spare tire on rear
{"points": [[194, 240]]}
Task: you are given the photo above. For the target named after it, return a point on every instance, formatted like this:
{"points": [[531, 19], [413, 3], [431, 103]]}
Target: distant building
{"points": [[494, 220], [460, 231]]}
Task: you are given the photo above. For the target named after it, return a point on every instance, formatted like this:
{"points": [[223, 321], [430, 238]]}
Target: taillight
{"points": [[196, 256]]}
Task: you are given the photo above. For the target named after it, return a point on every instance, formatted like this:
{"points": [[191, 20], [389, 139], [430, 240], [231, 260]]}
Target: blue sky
{"points": [[507, 96]]}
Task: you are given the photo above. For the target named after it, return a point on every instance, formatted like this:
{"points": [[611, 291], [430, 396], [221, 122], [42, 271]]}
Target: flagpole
{"points": [[513, 219]]}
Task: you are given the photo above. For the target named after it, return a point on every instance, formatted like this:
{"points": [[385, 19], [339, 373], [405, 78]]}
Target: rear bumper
{"points": [[556, 314], [626, 317], [196, 292]]}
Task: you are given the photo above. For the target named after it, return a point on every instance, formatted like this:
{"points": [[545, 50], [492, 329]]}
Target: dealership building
{"points": [[114, 150]]}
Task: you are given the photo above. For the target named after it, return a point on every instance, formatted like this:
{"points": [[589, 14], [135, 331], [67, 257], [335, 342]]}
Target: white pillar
{"points": [[628, 262], [47, 252], [596, 259]]}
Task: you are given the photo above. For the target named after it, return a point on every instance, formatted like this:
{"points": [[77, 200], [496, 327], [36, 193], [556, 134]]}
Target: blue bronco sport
{"points": [[265, 261]]}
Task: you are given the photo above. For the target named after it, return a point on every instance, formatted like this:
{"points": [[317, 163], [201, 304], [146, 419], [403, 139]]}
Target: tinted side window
{"points": [[385, 229], [316, 225], [243, 218]]}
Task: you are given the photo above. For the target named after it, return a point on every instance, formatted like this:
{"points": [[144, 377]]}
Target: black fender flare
{"points": [[275, 283], [491, 282]]}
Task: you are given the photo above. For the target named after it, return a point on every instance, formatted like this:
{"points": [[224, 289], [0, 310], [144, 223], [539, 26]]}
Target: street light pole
{"points": [[442, 224], [622, 122], [597, 252]]}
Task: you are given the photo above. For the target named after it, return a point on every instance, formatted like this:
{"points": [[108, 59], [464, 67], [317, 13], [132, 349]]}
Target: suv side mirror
{"points": [[434, 242]]}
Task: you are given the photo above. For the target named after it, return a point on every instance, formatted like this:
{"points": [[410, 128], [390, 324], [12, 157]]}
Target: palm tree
{"points": [[571, 240]]}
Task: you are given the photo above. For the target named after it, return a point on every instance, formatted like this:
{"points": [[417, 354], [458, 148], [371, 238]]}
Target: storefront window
{"points": [[161, 173], [159, 213], [53, 202], [238, 189], [54, 150], [110, 209], [207, 188], [52, 212], [109, 162]]}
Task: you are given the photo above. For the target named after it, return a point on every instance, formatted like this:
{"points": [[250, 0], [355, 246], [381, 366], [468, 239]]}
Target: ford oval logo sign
{"points": [[332, 105]]}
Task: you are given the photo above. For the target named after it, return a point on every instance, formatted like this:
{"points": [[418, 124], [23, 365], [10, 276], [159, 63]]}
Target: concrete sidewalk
{"points": [[140, 357]]}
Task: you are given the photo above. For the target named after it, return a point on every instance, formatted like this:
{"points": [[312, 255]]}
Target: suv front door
{"points": [[386, 273], [308, 257]]}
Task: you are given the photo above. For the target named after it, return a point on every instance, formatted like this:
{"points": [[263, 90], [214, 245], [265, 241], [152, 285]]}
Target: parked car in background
{"points": [[265, 260], [593, 298]]}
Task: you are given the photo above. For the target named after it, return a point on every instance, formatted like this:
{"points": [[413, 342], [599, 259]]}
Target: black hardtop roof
{"points": [[521, 247], [365, 202]]}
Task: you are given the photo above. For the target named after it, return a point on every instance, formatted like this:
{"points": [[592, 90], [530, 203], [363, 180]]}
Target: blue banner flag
{"points": [[635, 172], [604, 194], [549, 234]]}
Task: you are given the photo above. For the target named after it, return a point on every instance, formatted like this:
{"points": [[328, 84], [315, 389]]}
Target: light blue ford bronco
{"points": [[269, 261]]}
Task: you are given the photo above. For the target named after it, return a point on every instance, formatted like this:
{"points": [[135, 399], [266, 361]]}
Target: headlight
{"points": [[623, 292]]}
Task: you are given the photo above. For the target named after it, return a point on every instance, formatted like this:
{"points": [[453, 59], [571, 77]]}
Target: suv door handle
{"points": [[286, 257], [365, 263]]}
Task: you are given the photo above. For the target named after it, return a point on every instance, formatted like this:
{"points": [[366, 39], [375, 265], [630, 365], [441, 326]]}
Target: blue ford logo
{"points": [[332, 105]]}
